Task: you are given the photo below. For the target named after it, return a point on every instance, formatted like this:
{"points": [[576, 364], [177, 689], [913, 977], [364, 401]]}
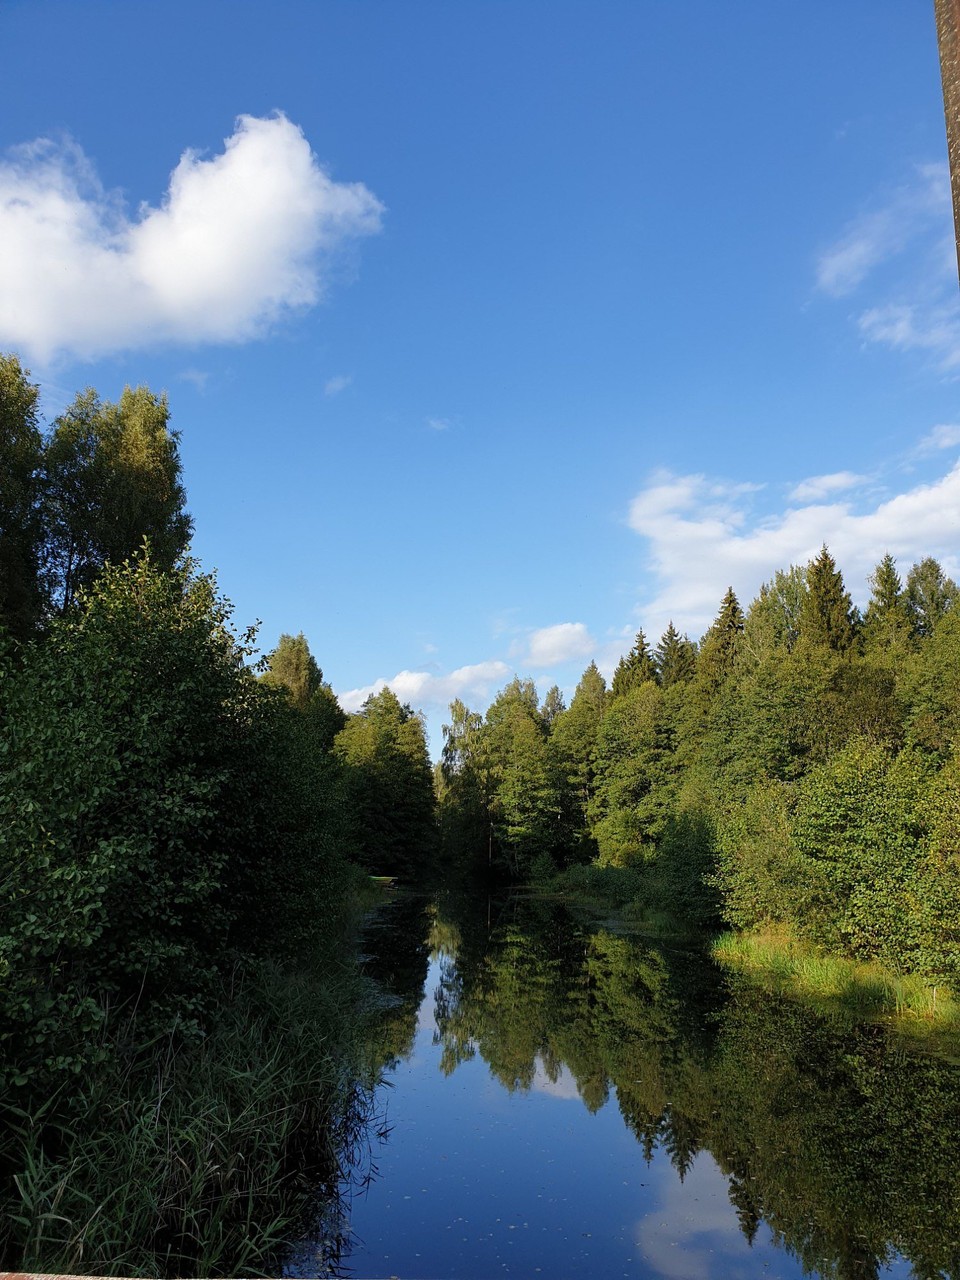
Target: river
{"points": [[564, 1098]]}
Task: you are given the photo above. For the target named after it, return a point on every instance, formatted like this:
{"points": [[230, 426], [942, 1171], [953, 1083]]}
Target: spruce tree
{"points": [[828, 617], [721, 643], [675, 657], [634, 668], [886, 622]]}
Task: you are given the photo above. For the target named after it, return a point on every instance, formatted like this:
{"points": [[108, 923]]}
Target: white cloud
{"points": [[904, 249], [438, 424], [704, 536], [423, 688], [692, 1232], [916, 327], [944, 436], [560, 643], [240, 239], [196, 377], [820, 486], [884, 232], [333, 386]]}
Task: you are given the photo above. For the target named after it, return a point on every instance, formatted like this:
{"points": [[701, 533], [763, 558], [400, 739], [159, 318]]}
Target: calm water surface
{"points": [[566, 1100]]}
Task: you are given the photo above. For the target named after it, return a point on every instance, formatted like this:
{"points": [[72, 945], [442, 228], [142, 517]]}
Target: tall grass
{"points": [[197, 1158], [862, 990]]}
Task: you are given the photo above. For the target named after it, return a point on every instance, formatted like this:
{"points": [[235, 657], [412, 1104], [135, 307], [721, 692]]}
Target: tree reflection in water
{"points": [[837, 1137]]}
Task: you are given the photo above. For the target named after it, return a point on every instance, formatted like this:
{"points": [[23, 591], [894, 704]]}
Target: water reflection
{"points": [[566, 1098]]}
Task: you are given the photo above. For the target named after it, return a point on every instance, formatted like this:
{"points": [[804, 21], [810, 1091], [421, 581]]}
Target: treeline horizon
{"points": [[796, 769]]}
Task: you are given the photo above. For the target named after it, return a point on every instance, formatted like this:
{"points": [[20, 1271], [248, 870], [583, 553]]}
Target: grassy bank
{"points": [[778, 959], [193, 1159]]}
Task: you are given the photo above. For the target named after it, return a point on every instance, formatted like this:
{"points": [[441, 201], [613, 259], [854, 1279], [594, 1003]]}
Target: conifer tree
{"points": [[574, 738], [675, 657], [828, 617], [886, 622], [721, 643], [634, 668]]}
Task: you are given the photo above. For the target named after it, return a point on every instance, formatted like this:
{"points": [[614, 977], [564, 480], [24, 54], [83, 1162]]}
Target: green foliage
{"points": [[628, 807], [675, 658], [634, 668], [827, 616], [928, 596], [572, 747], [387, 785], [21, 533], [152, 822], [112, 478]]}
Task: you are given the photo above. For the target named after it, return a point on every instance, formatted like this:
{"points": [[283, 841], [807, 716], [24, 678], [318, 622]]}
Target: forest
{"points": [[795, 770], [188, 830]]}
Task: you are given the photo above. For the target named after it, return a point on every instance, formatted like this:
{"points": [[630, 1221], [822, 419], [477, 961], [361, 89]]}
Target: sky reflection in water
{"points": [[476, 1181]]}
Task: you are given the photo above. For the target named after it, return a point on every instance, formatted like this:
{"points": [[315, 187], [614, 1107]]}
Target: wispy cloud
{"points": [[944, 436], [821, 486], [902, 250], [438, 424], [550, 646], [333, 386], [703, 536], [196, 377], [916, 327], [240, 239]]}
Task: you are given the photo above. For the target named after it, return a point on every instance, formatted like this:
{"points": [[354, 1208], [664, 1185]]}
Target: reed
{"points": [[194, 1158]]}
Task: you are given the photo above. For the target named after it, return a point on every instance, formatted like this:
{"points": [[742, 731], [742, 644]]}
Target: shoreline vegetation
{"points": [[189, 832], [835, 984]]}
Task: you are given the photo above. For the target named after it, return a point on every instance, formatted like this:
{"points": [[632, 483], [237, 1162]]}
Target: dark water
{"points": [[566, 1100]]}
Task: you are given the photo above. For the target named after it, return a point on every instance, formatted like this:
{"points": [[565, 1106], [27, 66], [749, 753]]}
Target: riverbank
{"points": [[780, 961], [195, 1157]]}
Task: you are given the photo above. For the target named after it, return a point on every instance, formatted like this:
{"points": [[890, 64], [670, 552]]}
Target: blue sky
{"points": [[497, 330]]}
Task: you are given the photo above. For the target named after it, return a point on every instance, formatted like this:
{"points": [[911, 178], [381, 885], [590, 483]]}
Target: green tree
{"points": [[112, 479], [21, 533], [524, 804], [675, 658], [553, 706], [151, 814], [388, 785], [634, 668], [293, 668], [887, 623], [773, 619], [828, 617], [929, 595], [573, 744]]}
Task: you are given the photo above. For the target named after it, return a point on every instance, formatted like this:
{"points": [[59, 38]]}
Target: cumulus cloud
{"points": [[240, 239], [704, 536], [903, 250], [423, 688], [820, 486], [560, 643]]}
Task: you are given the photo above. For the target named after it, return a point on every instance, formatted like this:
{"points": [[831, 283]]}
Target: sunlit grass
{"points": [[863, 990]]}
